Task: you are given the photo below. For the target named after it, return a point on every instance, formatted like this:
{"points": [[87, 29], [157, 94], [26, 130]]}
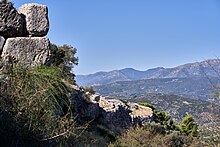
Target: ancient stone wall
{"points": [[23, 33]]}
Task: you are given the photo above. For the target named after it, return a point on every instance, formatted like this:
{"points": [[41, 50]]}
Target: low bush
{"points": [[153, 135], [34, 107]]}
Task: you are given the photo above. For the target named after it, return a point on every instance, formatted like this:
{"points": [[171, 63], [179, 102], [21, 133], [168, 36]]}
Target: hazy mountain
{"points": [[207, 68]]}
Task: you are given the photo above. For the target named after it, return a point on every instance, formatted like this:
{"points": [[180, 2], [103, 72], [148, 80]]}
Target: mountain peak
{"points": [[128, 69]]}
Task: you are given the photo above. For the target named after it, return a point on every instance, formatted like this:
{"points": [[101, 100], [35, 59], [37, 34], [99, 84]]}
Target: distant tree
{"points": [[163, 117], [189, 126], [64, 57]]}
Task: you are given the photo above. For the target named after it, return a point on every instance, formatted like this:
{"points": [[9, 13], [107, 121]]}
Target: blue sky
{"points": [[141, 34]]}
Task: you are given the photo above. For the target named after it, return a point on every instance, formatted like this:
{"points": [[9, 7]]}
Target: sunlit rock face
{"points": [[114, 114], [27, 50], [36, 17]]}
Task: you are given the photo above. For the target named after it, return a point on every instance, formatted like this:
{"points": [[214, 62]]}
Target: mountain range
{"points": [[193, 80], [207, 68]]}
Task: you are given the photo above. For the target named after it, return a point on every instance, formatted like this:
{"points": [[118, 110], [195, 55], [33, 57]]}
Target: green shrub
{"points": [[189, 126], [135, 137], [64, 58], [35, 104], [161, 117], [176, 139], [153, 135]]}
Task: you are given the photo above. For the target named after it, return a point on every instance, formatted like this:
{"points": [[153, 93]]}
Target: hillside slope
{"points": [[195, 88], [178, 107]]}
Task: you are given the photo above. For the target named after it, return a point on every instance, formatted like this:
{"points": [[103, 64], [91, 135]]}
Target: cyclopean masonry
{"points": [[23, 33]]}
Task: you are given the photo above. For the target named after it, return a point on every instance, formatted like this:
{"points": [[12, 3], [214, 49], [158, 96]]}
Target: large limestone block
{"points": [[2, 41], [36, 15], [28, 50], [11, 22]]}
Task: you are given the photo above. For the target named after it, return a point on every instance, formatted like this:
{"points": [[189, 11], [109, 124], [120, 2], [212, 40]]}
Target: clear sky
{"points": [[141, 34]]}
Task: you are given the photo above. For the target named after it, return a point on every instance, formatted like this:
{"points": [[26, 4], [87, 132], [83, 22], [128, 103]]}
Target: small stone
{"points": [[30, 51], [36, 16]]}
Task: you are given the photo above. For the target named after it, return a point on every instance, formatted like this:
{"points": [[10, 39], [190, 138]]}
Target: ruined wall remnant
{"points": [[23, 33]]}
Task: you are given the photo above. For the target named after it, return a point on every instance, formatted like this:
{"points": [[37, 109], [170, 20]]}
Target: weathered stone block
{"points": [[36, 15], [28, 50], [11, 22], [2, 41]]}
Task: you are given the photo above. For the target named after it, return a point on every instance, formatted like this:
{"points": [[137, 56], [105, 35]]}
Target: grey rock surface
{"points": [[2, 41], [28, 50], [36, 16], [114, 114], [11, 22]]}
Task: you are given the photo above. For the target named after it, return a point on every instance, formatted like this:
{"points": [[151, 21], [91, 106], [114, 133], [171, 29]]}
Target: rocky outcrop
{"points": [[114, 114], [24, 33], [2, 41], [11, 22], [36, 16], [28, 50]]}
